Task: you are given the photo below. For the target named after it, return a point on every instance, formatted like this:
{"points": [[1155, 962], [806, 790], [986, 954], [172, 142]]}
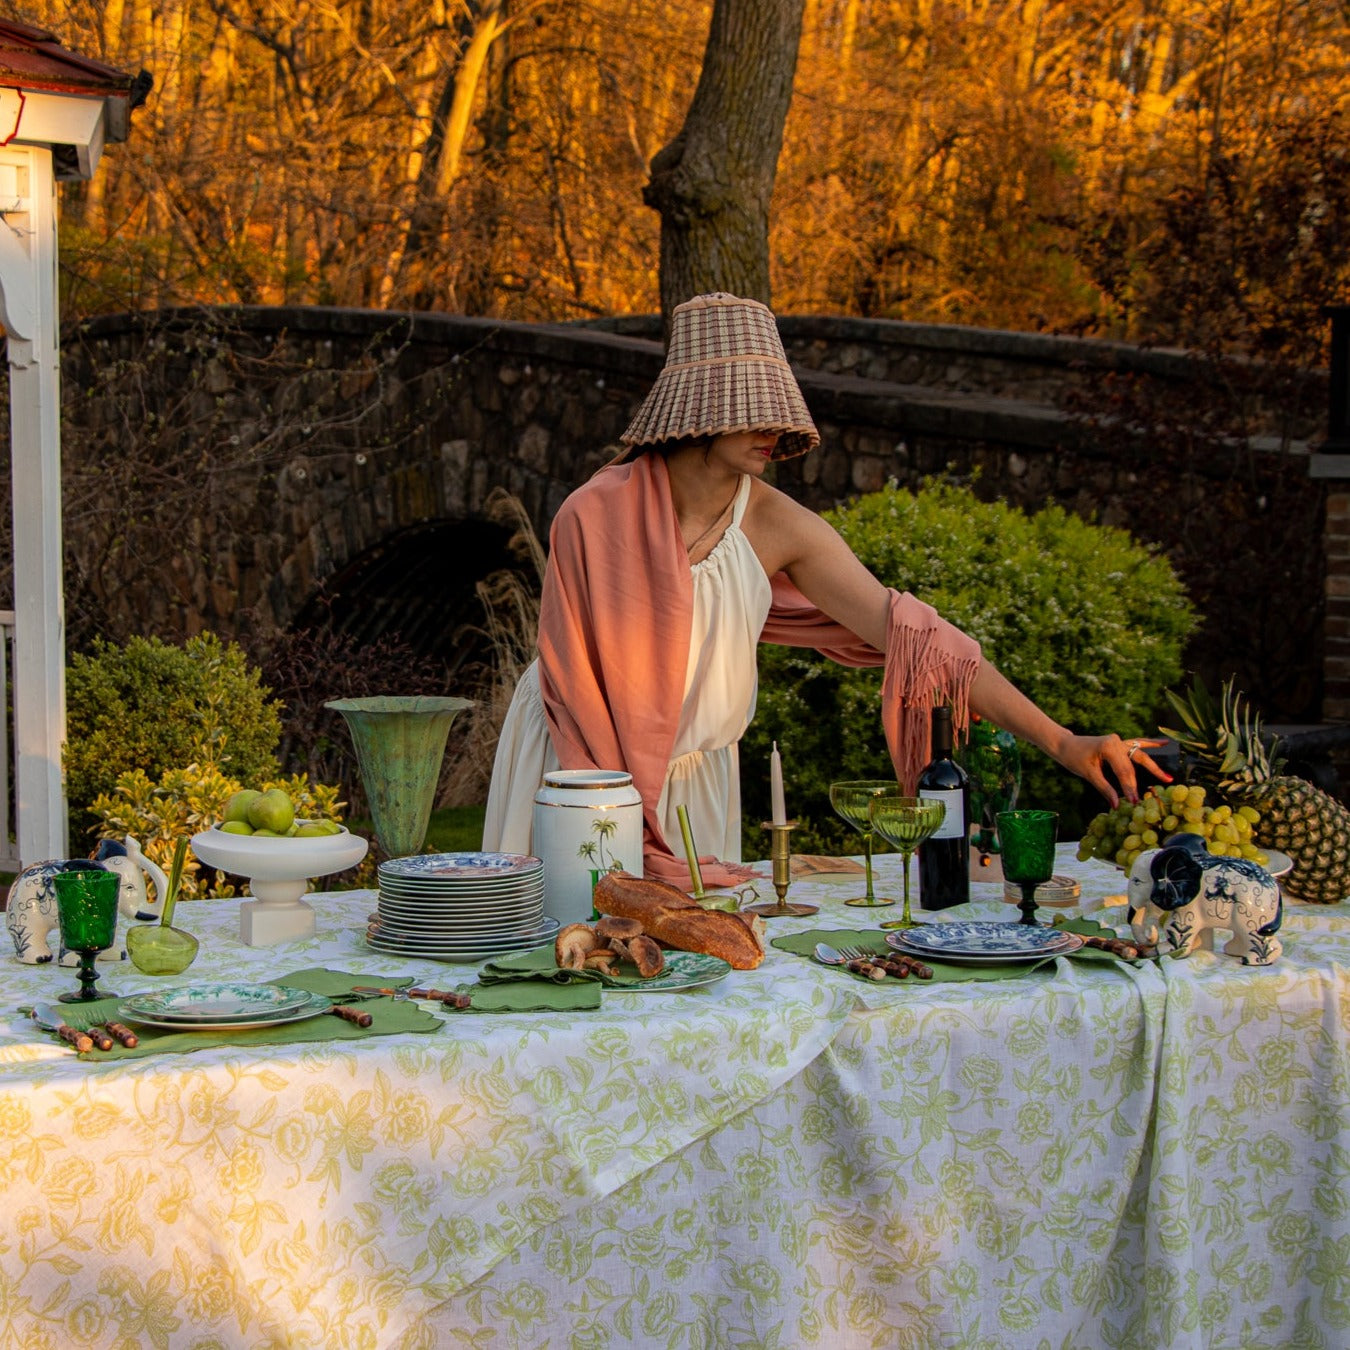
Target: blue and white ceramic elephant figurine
{"points": [[30, 912], [1197, 893]]}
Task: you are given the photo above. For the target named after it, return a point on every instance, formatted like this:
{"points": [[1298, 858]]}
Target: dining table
{"points": [[1070, 1153]]}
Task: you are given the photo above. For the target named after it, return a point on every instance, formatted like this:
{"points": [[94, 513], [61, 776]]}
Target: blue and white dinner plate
{"points": [[462, 866], [984, 941]]}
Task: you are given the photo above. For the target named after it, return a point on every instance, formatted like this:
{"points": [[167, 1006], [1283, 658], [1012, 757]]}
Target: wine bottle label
{"points": [[953, 822]]}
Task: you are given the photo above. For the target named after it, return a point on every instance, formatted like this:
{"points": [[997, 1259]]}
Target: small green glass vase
{"points": [[159, 949]]}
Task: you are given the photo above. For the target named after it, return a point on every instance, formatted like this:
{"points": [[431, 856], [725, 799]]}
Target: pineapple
{"points": [[1226, 753]]}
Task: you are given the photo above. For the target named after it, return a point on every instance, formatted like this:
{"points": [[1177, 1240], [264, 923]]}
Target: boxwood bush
{"points": [[1084, 619], [154, 706]]}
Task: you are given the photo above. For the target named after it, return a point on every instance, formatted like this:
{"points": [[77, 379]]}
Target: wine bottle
{"points": [[944, 857]]}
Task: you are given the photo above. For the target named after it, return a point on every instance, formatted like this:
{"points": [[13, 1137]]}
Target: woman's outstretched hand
{"points": [[1088, 757]]}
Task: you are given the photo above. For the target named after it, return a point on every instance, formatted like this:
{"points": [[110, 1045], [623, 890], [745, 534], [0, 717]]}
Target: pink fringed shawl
{"points": [[614, 647]]}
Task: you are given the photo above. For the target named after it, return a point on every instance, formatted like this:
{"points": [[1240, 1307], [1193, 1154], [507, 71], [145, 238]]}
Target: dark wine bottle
{"points": [[944, 857]]}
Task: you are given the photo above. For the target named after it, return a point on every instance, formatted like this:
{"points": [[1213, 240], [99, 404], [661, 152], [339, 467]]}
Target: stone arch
{"points": [[416, 583]]}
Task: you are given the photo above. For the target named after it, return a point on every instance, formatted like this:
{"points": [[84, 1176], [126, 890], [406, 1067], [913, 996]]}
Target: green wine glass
{"points": [[905, 822], [852, 802], [1028, 839], [86, 911]]}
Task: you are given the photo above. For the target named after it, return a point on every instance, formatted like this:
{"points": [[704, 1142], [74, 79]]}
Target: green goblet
{"points": [[852, 802], [86, 910], [905, 822], [1028, 840]]}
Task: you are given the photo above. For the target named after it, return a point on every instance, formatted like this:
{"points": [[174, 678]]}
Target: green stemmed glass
{"points": [[86, 911], [852, 802], [1028, 840], [905, 822]]}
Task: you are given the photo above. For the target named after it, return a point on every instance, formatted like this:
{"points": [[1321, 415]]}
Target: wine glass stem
{"points": [[867, 861], [905, 916], [88, 976], [1028, 905]]}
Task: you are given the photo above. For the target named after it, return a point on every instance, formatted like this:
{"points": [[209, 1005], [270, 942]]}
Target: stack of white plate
{"points": [[460, 906]]}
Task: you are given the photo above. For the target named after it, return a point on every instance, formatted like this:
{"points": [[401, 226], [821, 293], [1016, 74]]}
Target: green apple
{"points": [[311, 829], [267, 834], [236, 827], [236, 809], [272, 810]]}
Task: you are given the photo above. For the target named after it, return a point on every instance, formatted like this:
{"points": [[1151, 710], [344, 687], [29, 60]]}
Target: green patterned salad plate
{"points": [[216, 1002], [313, 1006], [684, 970]]}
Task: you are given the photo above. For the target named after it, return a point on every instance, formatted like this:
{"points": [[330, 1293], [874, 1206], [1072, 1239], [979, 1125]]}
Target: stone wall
{"points": [[313, 436]]}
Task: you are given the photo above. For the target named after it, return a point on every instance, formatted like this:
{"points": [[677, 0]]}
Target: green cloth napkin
{"points": [[802, 944], [389, 1017], [533, 982]]}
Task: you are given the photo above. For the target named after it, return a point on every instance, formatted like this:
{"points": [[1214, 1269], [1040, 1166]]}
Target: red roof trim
{"points": [[33, 59]]}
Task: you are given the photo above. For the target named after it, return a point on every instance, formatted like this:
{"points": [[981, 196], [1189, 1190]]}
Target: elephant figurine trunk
{"points": [[30, 911]]}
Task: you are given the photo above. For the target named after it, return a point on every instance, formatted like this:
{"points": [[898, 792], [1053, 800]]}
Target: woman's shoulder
{"points": [[774, 507]]}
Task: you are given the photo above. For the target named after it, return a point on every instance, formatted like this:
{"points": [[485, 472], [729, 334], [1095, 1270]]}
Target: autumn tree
{"points": [[712, 184]]}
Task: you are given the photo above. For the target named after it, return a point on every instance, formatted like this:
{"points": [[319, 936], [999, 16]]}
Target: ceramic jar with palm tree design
{"points": [[586, 822]]}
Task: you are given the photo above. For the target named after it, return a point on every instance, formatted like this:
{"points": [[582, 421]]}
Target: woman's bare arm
{"points": [[789, 538]]}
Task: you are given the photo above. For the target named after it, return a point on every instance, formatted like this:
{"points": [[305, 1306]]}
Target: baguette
{"points": [[672, 918]]}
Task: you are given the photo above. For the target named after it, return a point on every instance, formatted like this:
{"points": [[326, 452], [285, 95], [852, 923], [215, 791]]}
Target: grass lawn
{"points": [[456, 829]]}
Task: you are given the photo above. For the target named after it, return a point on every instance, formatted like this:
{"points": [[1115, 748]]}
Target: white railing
{"points": [[9, 844]]}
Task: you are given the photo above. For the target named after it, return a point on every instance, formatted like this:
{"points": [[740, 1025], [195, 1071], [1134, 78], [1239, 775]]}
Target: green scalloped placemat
{"points": [[802, 944]]}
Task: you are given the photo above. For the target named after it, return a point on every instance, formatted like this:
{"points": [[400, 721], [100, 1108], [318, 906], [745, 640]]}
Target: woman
{"points": [[671, 564]]}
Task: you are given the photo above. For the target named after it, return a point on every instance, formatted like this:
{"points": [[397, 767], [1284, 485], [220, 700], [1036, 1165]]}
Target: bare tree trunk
{"points": [[713, 182]]}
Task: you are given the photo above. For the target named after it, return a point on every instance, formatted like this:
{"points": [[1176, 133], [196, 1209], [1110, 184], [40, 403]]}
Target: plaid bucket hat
{"points": [[725, 371]]}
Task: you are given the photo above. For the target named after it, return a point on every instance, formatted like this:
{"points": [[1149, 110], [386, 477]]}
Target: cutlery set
{"points": [[48, 1016]]}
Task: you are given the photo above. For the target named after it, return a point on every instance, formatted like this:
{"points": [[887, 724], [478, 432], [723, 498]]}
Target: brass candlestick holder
{"points": [[780, 855]]}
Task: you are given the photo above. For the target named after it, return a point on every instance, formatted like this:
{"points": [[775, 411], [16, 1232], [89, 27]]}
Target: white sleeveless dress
{"points": [[731, 602]]}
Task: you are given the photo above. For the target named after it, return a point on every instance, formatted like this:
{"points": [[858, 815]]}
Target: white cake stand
{"points": [[278, 872]]}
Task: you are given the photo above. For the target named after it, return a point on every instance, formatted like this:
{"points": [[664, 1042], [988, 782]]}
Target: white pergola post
{"points": [[28, 306]]}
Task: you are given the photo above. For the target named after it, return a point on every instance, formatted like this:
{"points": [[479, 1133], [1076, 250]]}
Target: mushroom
{"points": [[646, 955], [573, 945], [610, 928], [602, 960]]}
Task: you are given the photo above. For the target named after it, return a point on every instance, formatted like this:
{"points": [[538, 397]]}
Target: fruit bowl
{"points": [[278, 872]]}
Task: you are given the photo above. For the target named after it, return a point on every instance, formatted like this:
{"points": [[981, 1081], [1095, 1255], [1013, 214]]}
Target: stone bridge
{"points": [[259, 467]]}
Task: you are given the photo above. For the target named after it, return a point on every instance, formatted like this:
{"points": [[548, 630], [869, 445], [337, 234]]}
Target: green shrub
{"points": [[183, 801], [1086, 621], [153, 706]]}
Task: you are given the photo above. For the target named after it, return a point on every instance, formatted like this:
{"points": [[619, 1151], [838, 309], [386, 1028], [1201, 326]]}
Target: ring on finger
{"points": [[1135, 748]]}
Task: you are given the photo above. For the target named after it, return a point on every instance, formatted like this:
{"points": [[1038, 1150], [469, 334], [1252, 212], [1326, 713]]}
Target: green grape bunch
{"points": [[1122, 834]]}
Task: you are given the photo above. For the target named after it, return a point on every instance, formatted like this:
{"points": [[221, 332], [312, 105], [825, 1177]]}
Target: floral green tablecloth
{"points": [[1099, 1155]]}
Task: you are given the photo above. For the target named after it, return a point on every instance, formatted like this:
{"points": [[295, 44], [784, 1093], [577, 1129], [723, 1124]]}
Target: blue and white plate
{"points": [[987, 941], [462, 866]]}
